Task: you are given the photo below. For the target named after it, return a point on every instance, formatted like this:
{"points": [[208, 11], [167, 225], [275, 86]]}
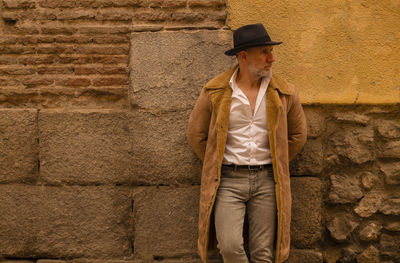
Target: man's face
{"points": [[259, 60]]}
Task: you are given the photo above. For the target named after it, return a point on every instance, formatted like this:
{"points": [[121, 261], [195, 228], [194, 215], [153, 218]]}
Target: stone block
{"points": [[169, 68], [369, 204], [389, 129], [160, 152], [369, 180], [185, 260], [370, 232], [355, 144], [391, 206], [391, 171], [84, 146], [166, 221], [315, 121], [306, 228], [310, 161], [65, 222], [349, 253], [390, 150], [345, 189], [85, 260], [392, 226], [351, 117], [304, 255], [370, 255], [341, 226], [18, 144], [390, 246]]}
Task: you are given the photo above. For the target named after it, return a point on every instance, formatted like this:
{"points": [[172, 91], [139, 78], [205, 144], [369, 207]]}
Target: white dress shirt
{"points": [[247, 141]]}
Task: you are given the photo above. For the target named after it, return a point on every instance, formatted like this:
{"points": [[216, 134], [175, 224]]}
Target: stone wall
{"points": [[353, 152], [122, 186], [103, 173]]}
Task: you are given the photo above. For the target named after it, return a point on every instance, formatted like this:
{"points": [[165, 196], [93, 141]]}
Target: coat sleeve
{"points": [[297, 127], [199, 123]]}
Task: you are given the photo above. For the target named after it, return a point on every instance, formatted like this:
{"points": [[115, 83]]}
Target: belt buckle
{"points": [[254, 168]]}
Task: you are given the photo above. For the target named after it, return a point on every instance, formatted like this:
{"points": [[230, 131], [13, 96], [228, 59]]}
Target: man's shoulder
{"points": [[280, 84], [220, 81]]}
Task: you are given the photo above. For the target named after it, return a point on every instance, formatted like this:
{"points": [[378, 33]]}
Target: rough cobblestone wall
{"points": [[94, 164], [354, 152]]}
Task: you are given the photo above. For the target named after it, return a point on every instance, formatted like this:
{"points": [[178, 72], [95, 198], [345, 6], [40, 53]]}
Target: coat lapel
{"points": [[221, 96], [221, 100]]}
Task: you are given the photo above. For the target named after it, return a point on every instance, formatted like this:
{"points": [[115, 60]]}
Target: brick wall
{"points": [[74, 53]]}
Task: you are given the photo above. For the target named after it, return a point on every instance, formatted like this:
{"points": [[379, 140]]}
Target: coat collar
{"points": [[221, 82]]}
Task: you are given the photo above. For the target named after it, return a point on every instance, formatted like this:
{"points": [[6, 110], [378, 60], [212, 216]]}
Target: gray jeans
{"points": [[240, 192]]}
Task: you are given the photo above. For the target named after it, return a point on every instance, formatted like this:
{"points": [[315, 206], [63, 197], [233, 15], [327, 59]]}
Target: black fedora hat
{"points": [[250, 36]]}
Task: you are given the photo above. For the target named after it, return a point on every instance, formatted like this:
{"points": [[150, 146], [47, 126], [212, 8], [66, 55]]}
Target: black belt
{"points": [[247, 167]]}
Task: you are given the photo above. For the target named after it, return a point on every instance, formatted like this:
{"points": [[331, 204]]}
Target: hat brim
{"points": [[234, 51]]}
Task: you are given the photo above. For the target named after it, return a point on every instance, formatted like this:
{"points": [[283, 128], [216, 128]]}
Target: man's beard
{"points": [[260, 72]]}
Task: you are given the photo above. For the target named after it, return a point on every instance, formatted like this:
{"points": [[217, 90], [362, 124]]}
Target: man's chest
{"points": [[242, 116]]}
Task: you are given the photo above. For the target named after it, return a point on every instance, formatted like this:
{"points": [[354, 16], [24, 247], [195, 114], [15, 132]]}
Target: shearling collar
{"points": [[222, 81]]}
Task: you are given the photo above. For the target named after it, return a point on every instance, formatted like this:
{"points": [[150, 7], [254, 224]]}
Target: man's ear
{"points": [[242, 55]]}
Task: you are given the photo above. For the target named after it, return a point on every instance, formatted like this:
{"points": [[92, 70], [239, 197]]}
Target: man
{"points": [[245, 127]]}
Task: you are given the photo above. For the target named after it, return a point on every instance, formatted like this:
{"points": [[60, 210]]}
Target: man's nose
{"points": [[270, 58]]}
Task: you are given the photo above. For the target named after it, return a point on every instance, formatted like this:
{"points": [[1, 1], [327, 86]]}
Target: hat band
{"points": [[256, 40]]}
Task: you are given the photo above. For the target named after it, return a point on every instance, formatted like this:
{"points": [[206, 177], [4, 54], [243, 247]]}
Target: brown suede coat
{"points": [[207, 132]]}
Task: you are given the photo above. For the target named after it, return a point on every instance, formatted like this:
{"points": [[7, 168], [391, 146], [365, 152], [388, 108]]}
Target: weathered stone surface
{"points": [[393, 226], [351, 117], [355, 144], [304, 255], [18, 144], [388, 128], [370, 255], [332, 254], [390, 150], [369, 180], [186, 260], [350, 253], [306, 228], [166, 221], [370, 204], [345, 189], [391, 206], [160, 152], [391, 171], [180, 62], [310, 161], [17, 261], [84, 146], [390, 246], [341, 226], [84, 260], [315, 122], [370, 232], [57, 222]]}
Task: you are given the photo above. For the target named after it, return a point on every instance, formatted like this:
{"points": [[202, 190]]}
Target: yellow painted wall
{"points": [[334, 51]]}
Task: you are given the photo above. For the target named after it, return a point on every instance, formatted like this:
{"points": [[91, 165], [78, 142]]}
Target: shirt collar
{"points": [[232, 82]]}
